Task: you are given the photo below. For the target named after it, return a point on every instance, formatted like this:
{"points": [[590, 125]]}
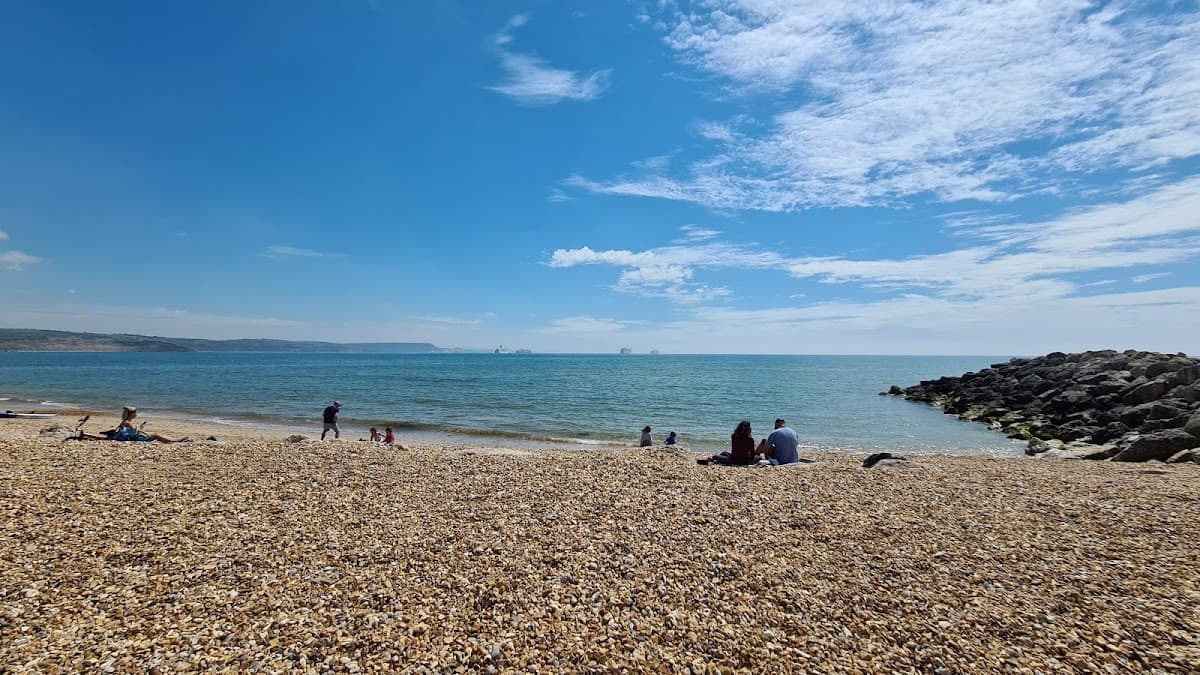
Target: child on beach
{"points": [[376, 437], [388, 437], [670, 439]]}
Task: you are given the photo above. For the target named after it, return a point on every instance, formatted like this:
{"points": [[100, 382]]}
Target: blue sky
{"points": [[751, 176]]}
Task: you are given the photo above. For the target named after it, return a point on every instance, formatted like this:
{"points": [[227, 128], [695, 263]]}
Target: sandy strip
{"points": [[253, 554]]}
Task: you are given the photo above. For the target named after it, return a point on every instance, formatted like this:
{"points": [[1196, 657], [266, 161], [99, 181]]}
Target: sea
{"points": [[560, 400]]}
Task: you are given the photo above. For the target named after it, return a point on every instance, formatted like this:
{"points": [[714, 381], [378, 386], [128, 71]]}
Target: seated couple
{"points": [[129, 430], [780, 447]]}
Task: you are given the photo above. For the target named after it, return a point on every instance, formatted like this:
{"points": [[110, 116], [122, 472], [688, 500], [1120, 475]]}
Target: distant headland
{"points": [[33, 340]]}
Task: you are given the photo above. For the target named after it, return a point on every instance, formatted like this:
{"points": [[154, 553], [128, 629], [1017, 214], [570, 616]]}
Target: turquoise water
{"points": [[829, 400]]}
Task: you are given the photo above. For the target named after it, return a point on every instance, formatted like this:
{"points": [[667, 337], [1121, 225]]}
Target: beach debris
{"points": [[297, 438], [878, 457], [55, 430]]}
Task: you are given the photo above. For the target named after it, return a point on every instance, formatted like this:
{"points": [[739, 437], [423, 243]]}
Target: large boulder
{"points": [[1189, 455], [1139, 403], [1192, 426], [1154, 389], [1187, 374], [1159, 445]]}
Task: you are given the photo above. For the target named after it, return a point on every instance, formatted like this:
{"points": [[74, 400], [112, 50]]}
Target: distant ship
{"points": [[653, 352], [502, 350], [626, 350]]}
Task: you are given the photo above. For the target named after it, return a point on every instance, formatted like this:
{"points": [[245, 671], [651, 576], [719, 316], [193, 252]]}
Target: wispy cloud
{"points": [[3, 235], [965, 100], [1143, 278], [1018, 264], [697, 233], [585, 325], [530, 80], [294, 252], [667, 272], [150, 321], [16, 261]]}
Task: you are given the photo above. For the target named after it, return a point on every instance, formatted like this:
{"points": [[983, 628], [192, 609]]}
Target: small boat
{"points": [[26, 416]]}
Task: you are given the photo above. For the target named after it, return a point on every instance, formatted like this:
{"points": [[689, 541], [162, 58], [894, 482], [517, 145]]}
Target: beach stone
{"points": [[296, 438], [1184, 456], [1159, 445]]}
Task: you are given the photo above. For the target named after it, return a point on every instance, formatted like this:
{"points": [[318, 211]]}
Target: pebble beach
{"points": [[254, 554]]}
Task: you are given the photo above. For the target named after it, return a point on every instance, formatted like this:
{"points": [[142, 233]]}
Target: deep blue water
{"points": [[829, 400]]}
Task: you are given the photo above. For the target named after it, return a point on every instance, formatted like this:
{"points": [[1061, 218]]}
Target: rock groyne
{"points": [[1129, 406]]}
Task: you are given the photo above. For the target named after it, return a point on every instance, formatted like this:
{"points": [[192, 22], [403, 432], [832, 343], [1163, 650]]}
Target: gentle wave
{"points": [[584, 400]]}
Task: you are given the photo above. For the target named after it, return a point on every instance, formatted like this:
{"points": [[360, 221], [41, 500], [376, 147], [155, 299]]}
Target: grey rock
{"points": [[1145, 393], [1036, 446], [1192, 426], [1183, 456], [296, 438], [1159, 445], [1187, 374]]}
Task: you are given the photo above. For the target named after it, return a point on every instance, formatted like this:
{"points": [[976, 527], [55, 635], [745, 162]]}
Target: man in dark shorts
{"points": [[331, 420]]}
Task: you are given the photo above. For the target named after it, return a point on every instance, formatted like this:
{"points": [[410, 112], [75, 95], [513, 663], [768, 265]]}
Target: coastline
{"points": [[252, 553], [538, 401]]}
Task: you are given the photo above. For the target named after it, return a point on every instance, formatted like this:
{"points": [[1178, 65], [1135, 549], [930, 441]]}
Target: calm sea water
{"points": [[829, 400]]}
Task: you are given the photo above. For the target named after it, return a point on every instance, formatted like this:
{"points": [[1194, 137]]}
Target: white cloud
{"points": [[697, 233], [3, 235], [584, 325], [1014, 271], [962, 100], [294, 252], [16, 260], [666, 272], [1143, 278], [532, 81]]}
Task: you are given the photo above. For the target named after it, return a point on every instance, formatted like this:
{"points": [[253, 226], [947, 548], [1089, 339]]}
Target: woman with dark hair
{"points": [[741, 448], [646, 441]]}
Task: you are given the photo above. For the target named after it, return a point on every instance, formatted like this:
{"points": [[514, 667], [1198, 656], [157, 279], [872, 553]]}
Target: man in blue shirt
{"points": [[781, 444]]}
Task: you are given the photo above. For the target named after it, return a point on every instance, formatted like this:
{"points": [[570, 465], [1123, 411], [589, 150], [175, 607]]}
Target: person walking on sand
{"points": [[330, 417], [646, 441], [781, 446]]}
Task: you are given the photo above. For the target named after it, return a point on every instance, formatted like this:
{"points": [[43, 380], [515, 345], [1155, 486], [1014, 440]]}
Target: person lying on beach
{"points": [[376, 437], [130, 430], [741, 448]]}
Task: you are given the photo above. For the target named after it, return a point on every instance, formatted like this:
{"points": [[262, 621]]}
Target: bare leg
{"points": [[166, 439]]}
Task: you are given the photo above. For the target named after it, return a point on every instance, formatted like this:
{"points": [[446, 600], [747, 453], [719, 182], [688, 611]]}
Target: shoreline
{"points": [[199, 425]]}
